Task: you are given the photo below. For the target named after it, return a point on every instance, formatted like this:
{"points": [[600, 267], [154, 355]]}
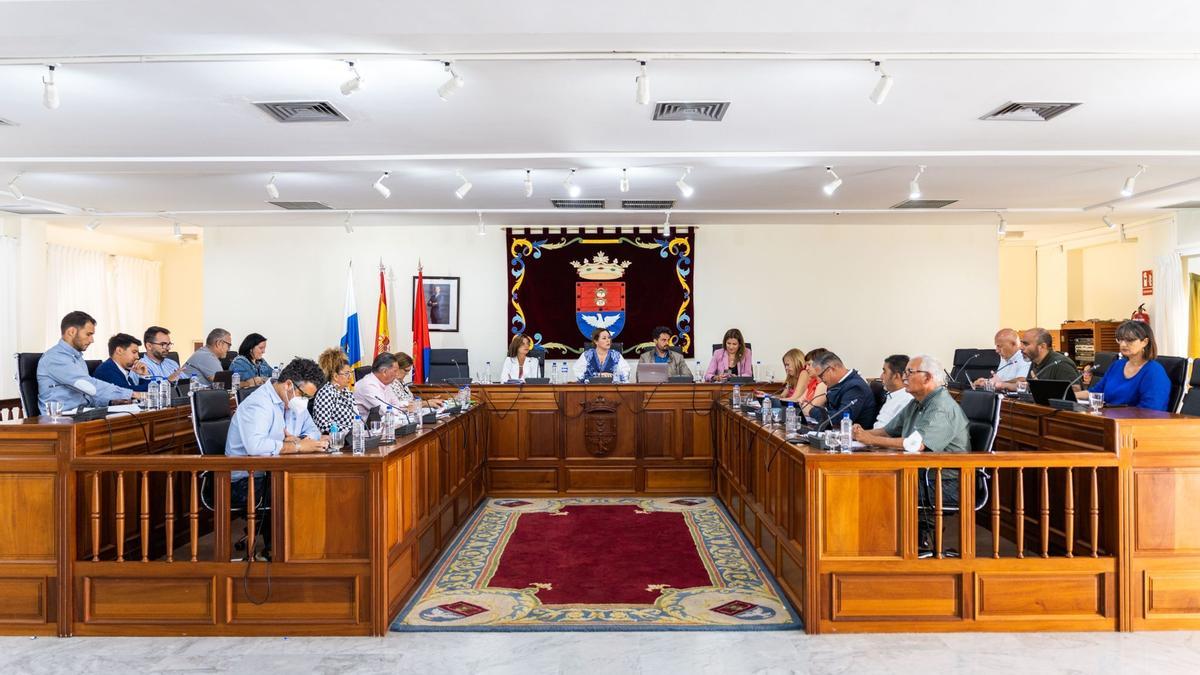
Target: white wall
{"points": [[863, 291]]}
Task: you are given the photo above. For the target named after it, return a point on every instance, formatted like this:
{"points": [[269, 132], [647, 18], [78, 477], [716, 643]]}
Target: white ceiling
{"points": [[181, 136]]}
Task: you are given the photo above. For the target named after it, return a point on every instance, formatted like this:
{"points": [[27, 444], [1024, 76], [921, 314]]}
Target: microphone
{"points": [[963, 368], [1069, 384], [829, 418], [1033, 376], [457, 368]]}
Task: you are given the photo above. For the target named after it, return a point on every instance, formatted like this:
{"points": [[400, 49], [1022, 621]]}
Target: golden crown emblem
{"points": [[599, 268]]}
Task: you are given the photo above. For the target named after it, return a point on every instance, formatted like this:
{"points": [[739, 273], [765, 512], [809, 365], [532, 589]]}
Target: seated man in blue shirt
{"points": [[123, 368], [847, 393], [62, 374], [273, 421], [158, 346]]}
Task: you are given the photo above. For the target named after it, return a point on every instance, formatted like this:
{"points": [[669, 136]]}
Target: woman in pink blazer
{"points": [[734, 359]]}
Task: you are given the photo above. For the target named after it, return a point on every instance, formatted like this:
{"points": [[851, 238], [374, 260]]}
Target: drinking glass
{"points": [[833, 441], [376, 427], [1022, 388], [55, 409], [1096, 399], [777, 414], [337, 440]]}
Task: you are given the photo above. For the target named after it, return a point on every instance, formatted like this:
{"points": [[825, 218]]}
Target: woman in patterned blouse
{"points": [[400, 388], [334, 402]]}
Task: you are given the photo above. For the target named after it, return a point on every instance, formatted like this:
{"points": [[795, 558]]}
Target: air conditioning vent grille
{"points": [[302, 111], [577, 203], [924, 204], [302, 206], [690, 111], [648, 204], [1028, 112]]}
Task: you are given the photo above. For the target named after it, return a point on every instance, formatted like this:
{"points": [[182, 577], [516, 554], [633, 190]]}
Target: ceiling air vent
{"points": [[302, 206], [648, 204], [1028, 112], [577, 203], [1194, 204], [29, 210], [302, 111], [924, 203], [691, 111]]}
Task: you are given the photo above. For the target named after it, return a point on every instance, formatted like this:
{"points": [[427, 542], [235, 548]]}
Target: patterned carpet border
{"points": [[452, 597]]}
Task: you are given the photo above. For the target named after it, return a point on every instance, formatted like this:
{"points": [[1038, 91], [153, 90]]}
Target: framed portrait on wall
{"points": [[441, 303]]}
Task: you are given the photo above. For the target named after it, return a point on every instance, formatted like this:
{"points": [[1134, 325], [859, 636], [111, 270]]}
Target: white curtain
{"points": [[9, 292], [121, 293], [1170, 317]]}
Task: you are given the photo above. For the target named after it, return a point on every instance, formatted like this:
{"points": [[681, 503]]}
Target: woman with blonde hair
{"points": [[795, 386], [334, 402]]}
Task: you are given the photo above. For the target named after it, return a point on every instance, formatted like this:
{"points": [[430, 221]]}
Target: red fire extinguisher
{"points": [[1140, 314]]}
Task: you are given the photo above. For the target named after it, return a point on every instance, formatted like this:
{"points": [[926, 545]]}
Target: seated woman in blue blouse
{"points": [[601, 361], [1135, 378], [250, 364]]}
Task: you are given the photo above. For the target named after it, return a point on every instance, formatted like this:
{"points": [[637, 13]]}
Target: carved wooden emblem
{"points": [[600, 426]]}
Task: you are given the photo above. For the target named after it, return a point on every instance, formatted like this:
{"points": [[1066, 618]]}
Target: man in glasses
{"points": [[847, 393], [157, 341], [207, 360]]}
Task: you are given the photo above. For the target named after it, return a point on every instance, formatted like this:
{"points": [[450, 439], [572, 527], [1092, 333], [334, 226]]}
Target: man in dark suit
{"points": [[123, 367], [844, 386]]}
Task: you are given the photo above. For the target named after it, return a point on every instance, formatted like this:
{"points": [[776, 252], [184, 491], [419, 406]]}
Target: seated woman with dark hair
{"points": [[334, 402], [1135, 378], [518, 365], [731, 361], [400, 384], [601, 361], [250, 364]]}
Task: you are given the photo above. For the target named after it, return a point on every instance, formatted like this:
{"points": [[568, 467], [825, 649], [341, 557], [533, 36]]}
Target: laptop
{"points": [[652, 373], [1045, 390]]}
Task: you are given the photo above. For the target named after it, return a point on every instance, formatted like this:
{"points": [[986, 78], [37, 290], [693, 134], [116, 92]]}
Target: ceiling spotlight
{"points": [[464, 188], [624, 180], [16, 191], [482, 230], [1108, 221], [528, 183], [346, 223], [643, 85], [382, 189], [914, 186], [272, 190], [832, 186], [354, 83], [50, 90], [451, 85], [882, 86], [1002, 228], [573, 190], [1124, 239], [91, 227], [1127, 189], [666, 226], [177, 231], [685, 189]]}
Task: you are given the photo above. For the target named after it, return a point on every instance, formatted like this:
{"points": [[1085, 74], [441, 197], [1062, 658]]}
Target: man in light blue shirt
{"points": [[158, 344], [62, 374], [272, 421]]}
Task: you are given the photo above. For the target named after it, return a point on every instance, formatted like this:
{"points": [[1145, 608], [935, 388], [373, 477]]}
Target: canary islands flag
{"points": [[351, 343]]}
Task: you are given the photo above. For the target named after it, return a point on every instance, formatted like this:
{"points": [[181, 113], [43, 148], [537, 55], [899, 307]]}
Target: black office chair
{"points": [[92, 365], [1101, 363], [174, 356], [982, 409], [1191, 401], [1176, 367], [449, 364], [879, 394], [361, 372], [243, 392], [210, 423], [229, 357], [27, 386], [539, 353], [972, 364]]}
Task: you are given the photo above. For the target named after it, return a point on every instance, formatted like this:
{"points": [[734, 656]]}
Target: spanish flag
{"points": [[383, 338]]}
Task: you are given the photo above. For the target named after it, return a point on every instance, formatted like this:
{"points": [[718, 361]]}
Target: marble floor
{"points": [[599, 653]]}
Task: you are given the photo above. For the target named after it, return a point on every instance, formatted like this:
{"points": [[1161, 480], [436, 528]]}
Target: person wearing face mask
{"points": [[273, 421], [62, 375]]}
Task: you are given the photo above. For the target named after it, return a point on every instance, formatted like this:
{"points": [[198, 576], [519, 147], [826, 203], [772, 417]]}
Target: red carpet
{"points": [[601, 555]]}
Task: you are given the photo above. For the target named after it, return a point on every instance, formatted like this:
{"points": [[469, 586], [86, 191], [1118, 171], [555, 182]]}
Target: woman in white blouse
{"points": [[519, 365]]}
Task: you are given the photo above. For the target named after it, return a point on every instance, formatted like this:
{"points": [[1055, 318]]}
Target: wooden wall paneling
{"points": [[327, 516]]}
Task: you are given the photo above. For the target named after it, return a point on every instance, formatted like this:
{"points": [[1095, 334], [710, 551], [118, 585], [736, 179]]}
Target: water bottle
{"points": [[790, 422], [152, 395], [758, 372], [466, 400], [766, 411], [566, 377], [846, 434], [389, 426], [358, 437], [420, 412], [737, 396], [487, 372], [235, 381], [194, 385], [275, 374], [164, 393], [460, 396], [698, 374]]}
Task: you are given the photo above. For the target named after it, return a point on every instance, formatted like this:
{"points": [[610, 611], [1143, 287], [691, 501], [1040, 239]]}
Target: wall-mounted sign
{"points": [[1147, 282]]}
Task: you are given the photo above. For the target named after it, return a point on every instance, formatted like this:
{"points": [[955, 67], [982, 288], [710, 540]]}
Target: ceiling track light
{"points": [[382, 189], [624, 180], [1127, 189], [1107, 220], [482, 230], [573, 190], [666, 226], [14, 190], [463, 189], [451, 85], [50, 90], [354, 83], [882, 86], [1002, 227], [914, 186], [272, 190], [833, 185], [528, 183], [643, 85], [93, 225], [685, 189], [346, 223]]}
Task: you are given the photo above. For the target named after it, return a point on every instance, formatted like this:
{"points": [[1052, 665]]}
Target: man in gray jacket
{"points": [[662, 353]]}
